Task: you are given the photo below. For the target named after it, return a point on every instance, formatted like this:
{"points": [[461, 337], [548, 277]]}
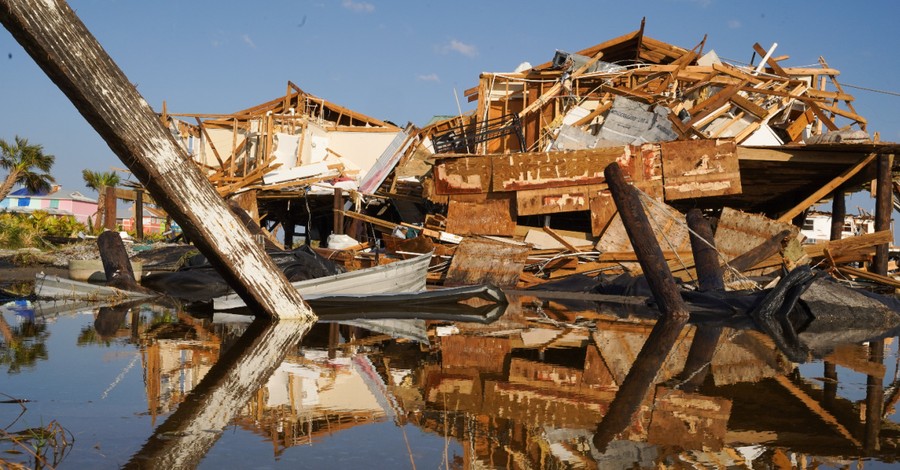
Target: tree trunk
{"points": [[8, 184], [71, 57]]}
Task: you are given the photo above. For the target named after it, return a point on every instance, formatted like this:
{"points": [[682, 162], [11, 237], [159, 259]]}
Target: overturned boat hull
{"points": [[400, 276]]}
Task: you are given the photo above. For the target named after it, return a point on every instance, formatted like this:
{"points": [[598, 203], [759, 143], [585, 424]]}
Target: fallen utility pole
{"points": [[73, 59]]}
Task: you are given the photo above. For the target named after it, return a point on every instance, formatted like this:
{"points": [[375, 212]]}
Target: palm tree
{"points": [[99, 181], [27, 165]]}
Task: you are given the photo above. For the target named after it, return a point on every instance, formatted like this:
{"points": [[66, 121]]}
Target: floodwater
{"points": [[550, 384]]}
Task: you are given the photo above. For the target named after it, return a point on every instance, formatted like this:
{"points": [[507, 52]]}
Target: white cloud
{"points": [[734, 24], [248, 41], [460, 47], [431, 77], [358, 7]]}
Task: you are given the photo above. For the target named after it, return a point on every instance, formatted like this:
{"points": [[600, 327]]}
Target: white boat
{"points": [[55, 287], [405, 276]]}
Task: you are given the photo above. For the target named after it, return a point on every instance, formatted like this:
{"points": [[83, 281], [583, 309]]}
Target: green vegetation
{"points": [[99, 181], [27, 165], [32, 230]]}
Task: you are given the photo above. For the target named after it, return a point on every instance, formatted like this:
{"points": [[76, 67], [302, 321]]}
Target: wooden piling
{"points": [[838, 214], [706, 260], [139, 214], [116, 265], [883, 210], [647, 249], [73, 59]]}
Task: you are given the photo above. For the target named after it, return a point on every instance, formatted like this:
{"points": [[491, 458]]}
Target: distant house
{"points": [[54, 202], [154, 220]]}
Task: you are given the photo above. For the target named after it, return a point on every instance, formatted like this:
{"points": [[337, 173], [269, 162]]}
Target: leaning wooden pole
{"points": [[647, 249], [73, 59]]}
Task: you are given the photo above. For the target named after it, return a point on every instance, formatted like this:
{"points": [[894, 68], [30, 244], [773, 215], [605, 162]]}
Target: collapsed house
{"points": [[754, 146], [291, 147]]}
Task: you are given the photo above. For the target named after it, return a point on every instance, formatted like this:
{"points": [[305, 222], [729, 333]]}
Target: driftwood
{"points": [[106, 98]]}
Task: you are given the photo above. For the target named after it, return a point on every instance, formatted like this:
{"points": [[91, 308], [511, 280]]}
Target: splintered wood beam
{"points": [[555, 89], [73, 59], [827, 189]]}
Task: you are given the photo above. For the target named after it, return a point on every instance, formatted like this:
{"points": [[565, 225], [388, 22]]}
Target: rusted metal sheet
{"points": [[482, 214], [738, 232], [464, 175], [700, 168], [481, 261], [553, 200]]}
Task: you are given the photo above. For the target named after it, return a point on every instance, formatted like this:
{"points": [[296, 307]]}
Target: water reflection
{"points": [[545, 384]]}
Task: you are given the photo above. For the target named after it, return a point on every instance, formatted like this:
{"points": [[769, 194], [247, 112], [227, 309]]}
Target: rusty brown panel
{"points": [[482, 214], [554, 200], [481, 261], [466, 175], [700, 168], [539, 170]]}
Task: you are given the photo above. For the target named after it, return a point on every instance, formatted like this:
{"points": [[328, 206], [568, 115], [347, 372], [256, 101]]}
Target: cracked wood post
{"points": [[647, 249], [73, 59], [706, 260]]}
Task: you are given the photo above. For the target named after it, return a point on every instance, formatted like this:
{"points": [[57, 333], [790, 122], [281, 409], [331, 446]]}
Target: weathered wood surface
{"points": [[700, 169], [116, 265], [481, 214], [73, 59], [706, 259], [482, 261]]}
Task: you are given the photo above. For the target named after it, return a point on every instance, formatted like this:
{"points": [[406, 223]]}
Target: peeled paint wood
{"points": [[72, 58]]}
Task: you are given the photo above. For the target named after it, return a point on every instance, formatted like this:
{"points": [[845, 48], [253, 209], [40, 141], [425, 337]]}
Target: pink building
{"points": [[154, 220], [56, 202]]}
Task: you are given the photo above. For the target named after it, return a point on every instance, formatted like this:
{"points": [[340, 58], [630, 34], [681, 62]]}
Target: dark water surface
{"points": [[546, 386]]}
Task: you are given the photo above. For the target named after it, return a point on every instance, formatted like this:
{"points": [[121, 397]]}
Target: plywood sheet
{"points": [[700, 168], [482, 214], [669, 228], [520, 171], [555, 200], [737, 232], [481, 261], [466, 175]]}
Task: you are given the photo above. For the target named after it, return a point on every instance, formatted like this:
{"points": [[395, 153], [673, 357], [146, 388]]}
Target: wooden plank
{"points": [[482, 261], [562, 240], [482, 214], [556, 200], [540, 170], [701, 168], [738, 232], [844, 246], [827, 189], [467, 175], [603, 210]]}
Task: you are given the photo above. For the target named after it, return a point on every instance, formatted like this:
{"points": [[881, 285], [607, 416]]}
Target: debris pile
{"points": [[513, 193]]}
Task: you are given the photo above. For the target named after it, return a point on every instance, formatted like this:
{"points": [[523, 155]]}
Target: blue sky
{"points": [[402, 60]]}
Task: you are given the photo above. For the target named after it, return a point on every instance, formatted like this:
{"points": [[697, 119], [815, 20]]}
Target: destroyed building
{"points": [[762, 141]]}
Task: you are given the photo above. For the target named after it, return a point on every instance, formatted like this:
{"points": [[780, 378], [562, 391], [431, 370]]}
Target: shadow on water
{"points": [[548, 383]]}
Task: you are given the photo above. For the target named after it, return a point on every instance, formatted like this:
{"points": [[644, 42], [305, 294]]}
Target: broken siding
{"points": [[482, 214], [700, 169]]}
